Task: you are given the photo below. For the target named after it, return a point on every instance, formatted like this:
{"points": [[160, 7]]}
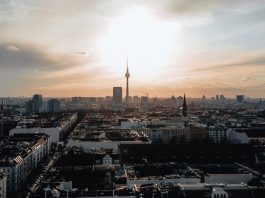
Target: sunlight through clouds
{"points": [[148, 41]]}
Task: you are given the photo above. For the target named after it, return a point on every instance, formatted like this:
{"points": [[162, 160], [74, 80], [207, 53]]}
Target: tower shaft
{"points": [[127, 90]]}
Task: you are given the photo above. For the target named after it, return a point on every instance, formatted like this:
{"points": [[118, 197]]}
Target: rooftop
{"points": [[14, 148]]}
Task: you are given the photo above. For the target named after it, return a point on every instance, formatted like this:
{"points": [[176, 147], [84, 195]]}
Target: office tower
{"points": [[240, 98], [222, 97], [53, 106], [127, 75], [117, 95], [217, 97], [184, 107], [37, 106], [30, 106], [117, 99]]}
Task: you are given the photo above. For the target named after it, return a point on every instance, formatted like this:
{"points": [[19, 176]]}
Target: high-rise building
{"points": [[53, 105], [217, 97], [34, 105], [29, 105], [117, 95], [127, 75], [37, 98], [184, 107], [240, 98], [117, 99]]}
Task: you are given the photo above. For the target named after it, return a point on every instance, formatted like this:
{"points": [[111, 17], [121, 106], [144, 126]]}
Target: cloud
{"points": [[257, 60], [34, 57], [80, 53], [33, 67], [12, 48]]}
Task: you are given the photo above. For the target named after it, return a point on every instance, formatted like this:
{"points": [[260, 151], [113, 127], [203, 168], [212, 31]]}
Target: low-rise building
{"points": [[108, 139], [56, 126]]}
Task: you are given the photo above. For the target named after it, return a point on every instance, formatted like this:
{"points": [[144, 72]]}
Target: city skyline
{"points": [[69, 48]]}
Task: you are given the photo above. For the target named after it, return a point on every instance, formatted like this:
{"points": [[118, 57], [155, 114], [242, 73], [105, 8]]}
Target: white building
{"points": [[218, 134], [223, 135], [87, 145]]}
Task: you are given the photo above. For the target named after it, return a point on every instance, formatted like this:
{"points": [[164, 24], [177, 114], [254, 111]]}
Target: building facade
{"points": [[2, 185], [53, 106]]}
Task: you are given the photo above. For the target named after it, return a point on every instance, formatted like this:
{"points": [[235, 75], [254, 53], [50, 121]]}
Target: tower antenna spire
{"points": [[127, 75], [127, 62]]}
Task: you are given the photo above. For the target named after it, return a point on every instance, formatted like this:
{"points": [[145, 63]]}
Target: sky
{"points": [[68, 48]]}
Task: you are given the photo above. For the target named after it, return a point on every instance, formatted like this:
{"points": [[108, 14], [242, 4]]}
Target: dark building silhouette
{"points": [[184, 107], [34, 105]]}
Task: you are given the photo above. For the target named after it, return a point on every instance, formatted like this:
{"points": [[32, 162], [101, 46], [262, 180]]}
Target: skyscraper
{"points": [[34, 105], [127, 75], [37, 98], [240, 98], [117, 95], [184, 107], [53, 106], [117, 99]]}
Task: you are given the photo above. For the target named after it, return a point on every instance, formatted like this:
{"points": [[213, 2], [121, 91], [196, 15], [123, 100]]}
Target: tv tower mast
{"points": [[127, 75]]}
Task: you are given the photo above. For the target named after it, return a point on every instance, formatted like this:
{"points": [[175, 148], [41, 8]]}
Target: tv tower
{"points": [[127, 75]]}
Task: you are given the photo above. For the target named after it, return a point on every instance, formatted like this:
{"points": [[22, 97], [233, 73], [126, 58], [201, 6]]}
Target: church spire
{"points": [[184, 107]]}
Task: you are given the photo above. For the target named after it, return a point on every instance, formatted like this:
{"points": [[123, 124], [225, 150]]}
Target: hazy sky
{"points": [[80, 47]]}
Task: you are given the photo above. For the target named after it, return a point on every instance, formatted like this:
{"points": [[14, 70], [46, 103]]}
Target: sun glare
{"points": [[147, 40]]}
